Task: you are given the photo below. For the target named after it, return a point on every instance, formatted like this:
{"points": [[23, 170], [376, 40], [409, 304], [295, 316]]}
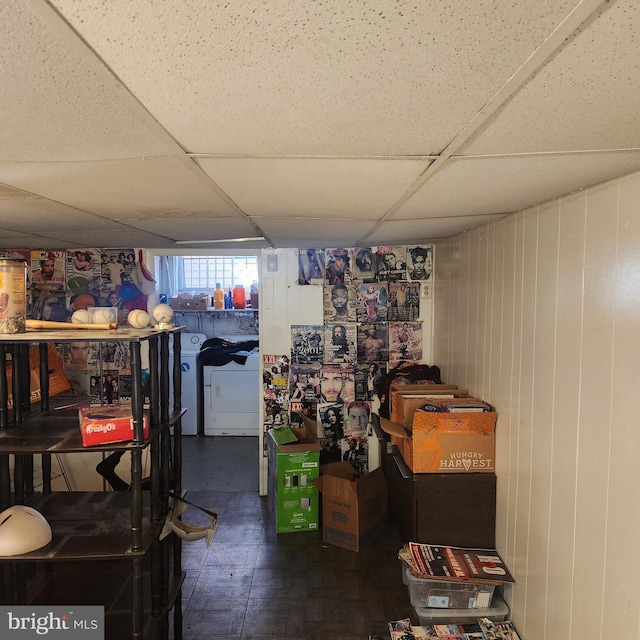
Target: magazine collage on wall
{"points": [[371, 309], [60, 282]]}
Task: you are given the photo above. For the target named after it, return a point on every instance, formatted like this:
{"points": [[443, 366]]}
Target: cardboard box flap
{"points": [[283, 435], [341, 470], [393, 428], [405, 399], [310, 428], [425, 388], [306, 439]]}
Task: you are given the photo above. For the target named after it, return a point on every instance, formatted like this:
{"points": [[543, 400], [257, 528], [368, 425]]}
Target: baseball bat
{"points": [[49, 324]]}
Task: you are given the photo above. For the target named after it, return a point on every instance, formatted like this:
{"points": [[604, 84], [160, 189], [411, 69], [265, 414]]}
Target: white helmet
{"points": [[22, 529]]}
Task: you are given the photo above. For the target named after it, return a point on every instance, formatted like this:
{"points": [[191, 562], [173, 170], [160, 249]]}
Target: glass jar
{"points": [[13, 295], [239, 297]]}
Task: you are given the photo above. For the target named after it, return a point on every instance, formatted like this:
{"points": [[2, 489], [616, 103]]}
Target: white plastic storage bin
{"points": [[442, 594], [405, 572], [430, 616]]}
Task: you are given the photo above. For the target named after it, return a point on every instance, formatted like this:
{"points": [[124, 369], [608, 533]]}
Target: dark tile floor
{"points": [[252, 584]]}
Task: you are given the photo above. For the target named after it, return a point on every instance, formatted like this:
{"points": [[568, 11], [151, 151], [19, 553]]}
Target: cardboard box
{"points": [[354, 509], [406, 398], [189, 304], [446, 442], [293, 499], [104, 424]]}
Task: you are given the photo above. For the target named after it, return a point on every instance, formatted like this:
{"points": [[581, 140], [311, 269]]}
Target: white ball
{"points": [[162, 313], [81, 316], [138, 319], [102, 316]]}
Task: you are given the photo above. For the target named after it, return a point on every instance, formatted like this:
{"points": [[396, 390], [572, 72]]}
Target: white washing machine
{"points": [[231, 397], [190, 345]]}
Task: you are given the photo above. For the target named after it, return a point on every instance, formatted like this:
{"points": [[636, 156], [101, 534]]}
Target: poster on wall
{"points": [[373, 343], [337, 383], [340, 343], [391, 262], [304, 382], [338, 267], [356, 432], [339, 303], [311, 266], [83, 279], [419, 262], [371, 302], [363, 265], [367, 379], [307, 343], [405, 341], [80, 354], [275, 383], [330, 420], [48, 295], [276, 392], [404, 301]]}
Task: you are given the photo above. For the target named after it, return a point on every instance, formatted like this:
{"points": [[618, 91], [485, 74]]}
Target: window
{"points": [[201, 273]]}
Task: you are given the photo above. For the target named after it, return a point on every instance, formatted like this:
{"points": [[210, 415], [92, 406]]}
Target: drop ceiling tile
{"points": [[198, 228], [64, 103], [9, 234], [44, 216], [585, 97], [122, 188], [424, 231], [306, 187], [9, 193], [125, 238], [318, 232], [34, 242], [308, 77], [473, 186]]}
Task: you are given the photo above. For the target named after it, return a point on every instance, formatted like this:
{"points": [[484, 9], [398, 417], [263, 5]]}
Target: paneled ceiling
{"points": [[339, 123]]}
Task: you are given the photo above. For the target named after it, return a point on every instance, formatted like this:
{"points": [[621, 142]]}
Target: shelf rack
{"points": [[144, 574]]}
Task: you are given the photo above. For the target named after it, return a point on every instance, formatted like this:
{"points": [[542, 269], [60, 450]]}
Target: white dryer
{"points": [[190, 345], [231, 398]]}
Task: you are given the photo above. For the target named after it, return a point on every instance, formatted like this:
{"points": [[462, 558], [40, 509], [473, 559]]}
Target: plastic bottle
{"points": [[239, 297], [228, 299], [218, 297]]}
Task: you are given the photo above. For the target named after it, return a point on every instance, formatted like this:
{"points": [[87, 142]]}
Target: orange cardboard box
{"points": [[103, 424], [431, 422], [446, 442]]}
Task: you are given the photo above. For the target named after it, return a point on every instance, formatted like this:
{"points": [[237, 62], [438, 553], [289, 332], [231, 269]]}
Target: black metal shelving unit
{"points": [[106, 548]]}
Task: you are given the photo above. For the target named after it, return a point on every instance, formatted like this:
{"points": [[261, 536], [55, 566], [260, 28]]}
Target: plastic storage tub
{"points": [[405, 572], [442, 594], [430, 616]]}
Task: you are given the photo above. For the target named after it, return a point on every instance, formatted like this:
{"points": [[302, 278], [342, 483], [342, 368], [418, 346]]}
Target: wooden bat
{"points": [[49, 324]]}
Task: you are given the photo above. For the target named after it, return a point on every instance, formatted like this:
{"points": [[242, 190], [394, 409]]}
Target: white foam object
{"points": [[22, 529], [188, 532]]}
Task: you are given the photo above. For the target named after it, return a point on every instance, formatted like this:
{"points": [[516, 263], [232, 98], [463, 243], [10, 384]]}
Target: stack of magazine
{"points": [[455, 405], [455, 564], [483, 629]]}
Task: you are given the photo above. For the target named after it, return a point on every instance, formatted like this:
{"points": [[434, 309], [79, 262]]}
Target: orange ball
{"points": [[84, 301]]}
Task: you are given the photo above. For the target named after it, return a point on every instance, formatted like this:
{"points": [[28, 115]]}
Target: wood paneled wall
{"points": [[539, 314]]}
